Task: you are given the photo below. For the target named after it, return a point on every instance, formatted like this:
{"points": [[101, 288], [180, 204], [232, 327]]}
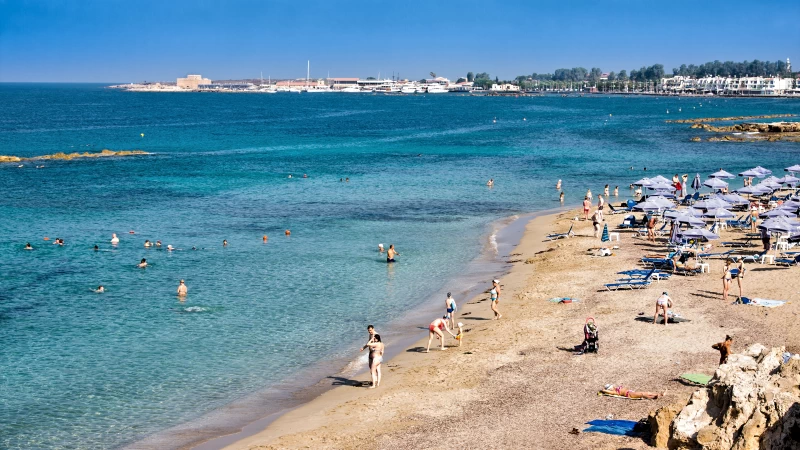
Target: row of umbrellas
{"points": [[768, 185]]}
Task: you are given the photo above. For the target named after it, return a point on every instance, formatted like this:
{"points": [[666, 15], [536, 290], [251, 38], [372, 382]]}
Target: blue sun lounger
{"points": [[788, 261], [748, 258], [715, 255], [632, 284], [568, 234]]}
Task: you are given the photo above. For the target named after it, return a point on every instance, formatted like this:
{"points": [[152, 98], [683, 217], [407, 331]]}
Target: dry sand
{"points": [[515, 383]]}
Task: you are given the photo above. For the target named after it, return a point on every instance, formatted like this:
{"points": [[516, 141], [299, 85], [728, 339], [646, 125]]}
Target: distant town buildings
{"points": [[730, 86], [505, 87], [192, 82]]}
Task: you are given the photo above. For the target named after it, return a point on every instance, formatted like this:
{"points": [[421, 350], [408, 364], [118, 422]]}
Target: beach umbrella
{"points": [[721, 174], [776, 213], [788, 179], [662, 201], [754, 190], [734, 199], [685, 219], [665, 194], [770, 185], [791, 205], [699, 233], [662, 187], [794, 168], [794, 238], [648, 206], [719, 213], [712, 203], [752, 173], [643, 182], [673, 236], [604, 237], [660, 179], [779, 225], [763, 170], [696, 182], [715, 183]]}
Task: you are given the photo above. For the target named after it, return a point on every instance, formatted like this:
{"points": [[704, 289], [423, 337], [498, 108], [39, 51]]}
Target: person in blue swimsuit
{"points": [[495, 292], [450, 304]]}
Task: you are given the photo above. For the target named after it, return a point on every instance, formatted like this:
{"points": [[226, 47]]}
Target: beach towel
{"points": [[615, 427], [603, 394], [696, 378], [762, 302], [564, 300]]}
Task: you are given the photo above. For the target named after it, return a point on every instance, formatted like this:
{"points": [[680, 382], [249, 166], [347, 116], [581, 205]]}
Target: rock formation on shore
{"points": [[753, 402], [729, 119], [70, 156], [776, 127]]}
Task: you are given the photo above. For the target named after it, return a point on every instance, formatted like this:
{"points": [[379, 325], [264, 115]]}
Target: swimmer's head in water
{"points": [[144, 260]]}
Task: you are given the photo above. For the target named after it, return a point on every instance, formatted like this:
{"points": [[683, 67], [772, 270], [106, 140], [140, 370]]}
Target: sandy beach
{"points": [[515, 383]]}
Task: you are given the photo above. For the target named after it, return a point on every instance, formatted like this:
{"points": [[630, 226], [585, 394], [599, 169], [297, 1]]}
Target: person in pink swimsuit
{"points": [[435, 329]]}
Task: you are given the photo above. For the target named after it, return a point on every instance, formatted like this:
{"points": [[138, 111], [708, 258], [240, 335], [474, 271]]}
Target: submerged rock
{"points": [[70, 156], [753, 402]]}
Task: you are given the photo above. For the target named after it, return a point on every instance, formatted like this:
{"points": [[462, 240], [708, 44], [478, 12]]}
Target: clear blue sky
{"points": [[91, 40]]}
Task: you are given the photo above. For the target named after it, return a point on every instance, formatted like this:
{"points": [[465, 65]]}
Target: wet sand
{"points": [[515, 383]]}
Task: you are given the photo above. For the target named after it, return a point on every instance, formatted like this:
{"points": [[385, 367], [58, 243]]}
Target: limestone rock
{"points": [[752, 402], [660, 421]]}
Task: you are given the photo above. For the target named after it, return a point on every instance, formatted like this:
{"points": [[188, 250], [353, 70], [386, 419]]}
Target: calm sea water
{"points": [[86, 370]]}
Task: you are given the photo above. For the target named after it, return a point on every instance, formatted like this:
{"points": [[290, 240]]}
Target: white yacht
{"points": [[318, 89], [436, 89], [351, 90], [408, 89]]}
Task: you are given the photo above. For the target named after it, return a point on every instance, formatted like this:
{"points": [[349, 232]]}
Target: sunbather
{"points": [[610, 389]]}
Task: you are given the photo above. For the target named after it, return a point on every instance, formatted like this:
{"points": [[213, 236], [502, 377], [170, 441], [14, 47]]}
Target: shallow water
{"points": [[86, 370]]}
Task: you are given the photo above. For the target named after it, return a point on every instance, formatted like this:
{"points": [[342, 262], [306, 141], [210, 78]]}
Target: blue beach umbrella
{"points": [[711, 203], [763, 170], [779, 212], [754, 190], [604, 237], [715, 183], [770, 185], [780, 225], [788, 179], [734, 199], [794, 168], [660, 179], [686, 219], [648, 206], [696, 182], [662, 187], [752, 173], [721, 174], [643, 182], [719, 213]]}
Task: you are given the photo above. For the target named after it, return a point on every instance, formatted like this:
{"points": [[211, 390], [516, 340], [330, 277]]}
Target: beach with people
{"points": [[518, 382]]}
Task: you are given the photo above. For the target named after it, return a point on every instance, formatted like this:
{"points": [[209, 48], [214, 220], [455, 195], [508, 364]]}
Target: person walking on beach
{"points": [[391, 253], [724, 348], [600, 202], [651, 229], [765, 238], [435, 329], [753, 219], [727, 276], [451, 308], [494, 297], [663, 303], [587, 205], [182, 289], [375, 359], [597, 219], [371, 331]]}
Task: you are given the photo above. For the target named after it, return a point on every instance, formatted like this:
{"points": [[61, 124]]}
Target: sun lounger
{"points": [[748, 258], [746, 243], [628, 222], [788, 261], [567, 235], [632, 284], [722, 255], [682, 270], [616, 211]]}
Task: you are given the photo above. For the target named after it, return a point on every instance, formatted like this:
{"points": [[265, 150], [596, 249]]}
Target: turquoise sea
{"points": [[85, 370]]}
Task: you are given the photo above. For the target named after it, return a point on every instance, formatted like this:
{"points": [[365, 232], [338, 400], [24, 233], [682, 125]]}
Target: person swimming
{"points": [[170, 247], [96, 248], [391, 253], [147, 244], [380, 248], [490, 183], [158, 243], [100, 289], [224, 242], [142, 264], [28, 246], [114, 239]]}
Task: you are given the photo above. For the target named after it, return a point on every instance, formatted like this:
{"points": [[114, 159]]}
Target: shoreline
{"points": [[296, 418], [250, 414], [515, 382]]}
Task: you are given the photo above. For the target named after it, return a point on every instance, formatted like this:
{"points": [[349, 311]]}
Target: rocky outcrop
{"points": [[69, 156], [728, 119], [775, 127], [660, 422], [753, 402]]}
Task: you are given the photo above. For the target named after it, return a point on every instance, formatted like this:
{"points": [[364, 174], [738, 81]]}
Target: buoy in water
{"points": [[287, 232], [142, 134]]}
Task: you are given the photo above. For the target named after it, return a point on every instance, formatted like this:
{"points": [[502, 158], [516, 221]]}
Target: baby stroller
{"points": [[590, 338]]}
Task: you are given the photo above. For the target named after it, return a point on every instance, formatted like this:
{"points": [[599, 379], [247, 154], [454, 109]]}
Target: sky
{"points": [[143, 40]]}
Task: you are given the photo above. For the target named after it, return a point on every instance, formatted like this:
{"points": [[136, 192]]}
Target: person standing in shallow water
{"points": [[561, 197], [391, 253], [376, 358], [182, 289]]}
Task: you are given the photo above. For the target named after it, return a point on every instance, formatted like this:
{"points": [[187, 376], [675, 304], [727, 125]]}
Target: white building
{"points": [[727, 85], [192, 81], [504, 88]]}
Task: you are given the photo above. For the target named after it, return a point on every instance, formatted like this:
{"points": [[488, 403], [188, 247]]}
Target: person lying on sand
{"points": [[610, 389]]}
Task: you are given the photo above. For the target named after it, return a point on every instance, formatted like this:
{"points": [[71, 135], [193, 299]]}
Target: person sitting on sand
{"points": [[494, 294], [182, 289], [391, 253], [663, 303], [620, 391], [435, 329], [450, 306], [142, 264], [724, 349], [28, 246], [376, 358]]}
